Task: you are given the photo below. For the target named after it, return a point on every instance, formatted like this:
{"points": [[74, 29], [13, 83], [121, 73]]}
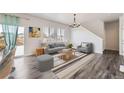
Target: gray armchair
{"points": [[85, 47]]}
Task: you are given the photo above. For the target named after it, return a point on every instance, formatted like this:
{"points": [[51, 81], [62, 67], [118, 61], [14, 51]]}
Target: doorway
{"points": [[112, 36]]}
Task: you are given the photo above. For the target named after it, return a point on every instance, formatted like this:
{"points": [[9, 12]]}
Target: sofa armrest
{"points": [[46, 51], [79, 46]]}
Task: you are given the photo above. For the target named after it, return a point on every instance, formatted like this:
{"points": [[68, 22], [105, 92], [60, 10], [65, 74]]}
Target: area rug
{"points": [[59, 64], [70, 70], [58, 61]]}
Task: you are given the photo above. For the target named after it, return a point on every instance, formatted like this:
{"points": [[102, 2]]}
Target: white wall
{"points": [[96, 27], [121, 35], [32, 43], [112, 35], [27, 20], [81, 34]]}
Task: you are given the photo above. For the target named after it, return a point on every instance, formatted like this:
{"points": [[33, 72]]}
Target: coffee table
{"points": [[66, 54]]}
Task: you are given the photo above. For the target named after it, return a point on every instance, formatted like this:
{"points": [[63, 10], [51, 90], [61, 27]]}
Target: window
{"points": [[46, 31], [60, 34], [19, 42], [53, 34]]}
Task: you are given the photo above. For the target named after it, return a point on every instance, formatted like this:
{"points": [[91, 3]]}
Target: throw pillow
{"points": [[84, 44]]}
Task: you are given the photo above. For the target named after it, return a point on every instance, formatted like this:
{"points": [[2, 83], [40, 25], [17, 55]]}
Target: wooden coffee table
{"points": [[67, 54]]}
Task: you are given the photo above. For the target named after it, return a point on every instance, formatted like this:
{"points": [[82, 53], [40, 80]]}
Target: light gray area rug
{"points": [[58, 61], [70, 70]]}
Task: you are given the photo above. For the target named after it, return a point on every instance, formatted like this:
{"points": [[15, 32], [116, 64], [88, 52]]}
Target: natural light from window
{"points": [[19, 43]]}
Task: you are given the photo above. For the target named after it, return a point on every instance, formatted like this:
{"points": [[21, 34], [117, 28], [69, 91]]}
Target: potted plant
{"points": [[69, 46]]}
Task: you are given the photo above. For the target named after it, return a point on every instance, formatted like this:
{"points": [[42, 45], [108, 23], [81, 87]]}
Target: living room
{"points": [[65, 46], [62, 45], [95, 27]]}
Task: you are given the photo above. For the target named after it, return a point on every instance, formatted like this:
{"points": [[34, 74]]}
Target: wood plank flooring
{"points": [[27, 68], [104, 66]]}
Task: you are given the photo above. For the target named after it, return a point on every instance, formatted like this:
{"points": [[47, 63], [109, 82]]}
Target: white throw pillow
{"points": [[84, 45]]}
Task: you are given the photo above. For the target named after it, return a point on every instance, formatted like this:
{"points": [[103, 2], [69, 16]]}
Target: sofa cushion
{"points": [[56, 45], [82, 49], [51, 45], [61, 48], [59, 44], [58, 48], [55, 49], [62, 45], [52, 50], [84, 44]]}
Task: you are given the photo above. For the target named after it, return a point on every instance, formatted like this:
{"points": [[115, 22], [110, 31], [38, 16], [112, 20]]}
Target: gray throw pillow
{"points": [[51, 45]]}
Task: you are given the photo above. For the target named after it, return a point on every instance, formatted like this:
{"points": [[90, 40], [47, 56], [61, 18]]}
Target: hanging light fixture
{"points": [[74, 25]]}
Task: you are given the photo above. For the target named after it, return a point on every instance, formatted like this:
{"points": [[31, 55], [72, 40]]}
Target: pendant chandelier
{"points": [[74, 25]]}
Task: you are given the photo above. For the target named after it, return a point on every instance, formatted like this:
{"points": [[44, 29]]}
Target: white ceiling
{"points": [[67, 18]]}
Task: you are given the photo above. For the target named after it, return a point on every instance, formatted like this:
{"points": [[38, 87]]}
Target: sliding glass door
{"points": [[20, 42]]}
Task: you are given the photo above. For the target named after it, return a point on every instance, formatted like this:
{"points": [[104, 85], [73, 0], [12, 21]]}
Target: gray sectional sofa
{"points": [[54, 48]]}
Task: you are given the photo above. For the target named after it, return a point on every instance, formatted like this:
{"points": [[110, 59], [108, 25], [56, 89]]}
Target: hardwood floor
{"points": [[27, 68], [104, 66]]}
